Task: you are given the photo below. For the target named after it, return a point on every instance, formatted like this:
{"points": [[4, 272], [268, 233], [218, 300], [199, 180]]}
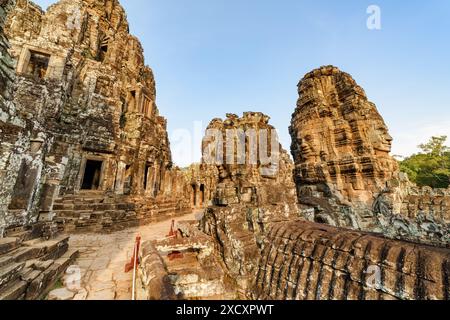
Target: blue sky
{"points": [[211, 57]]}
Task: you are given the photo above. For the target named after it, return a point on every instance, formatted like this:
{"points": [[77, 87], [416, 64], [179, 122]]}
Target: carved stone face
{"points": [[379, 137], [309, 146], [223, 174], [340, 137]]}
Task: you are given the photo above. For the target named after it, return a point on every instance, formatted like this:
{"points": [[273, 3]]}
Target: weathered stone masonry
{"points": [[309, 261], [30, 264], [347, 183], [344, 173], [99, 155], [201, 180], [83, 148], [11, 125], [247, 201], [263, 241]]}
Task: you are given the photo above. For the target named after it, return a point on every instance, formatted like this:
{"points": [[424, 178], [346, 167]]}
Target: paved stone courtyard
{"points": [[102, 260]]}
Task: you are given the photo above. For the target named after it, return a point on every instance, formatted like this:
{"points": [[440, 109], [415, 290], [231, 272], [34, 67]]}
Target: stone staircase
{"points": [[29, 268], [91, 212], [98, 212]]}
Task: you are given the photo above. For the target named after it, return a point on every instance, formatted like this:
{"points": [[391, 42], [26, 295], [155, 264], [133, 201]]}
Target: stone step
{"points": [[10, 273], [9, 244], [43, 274], [52, 249], [9, 233], [14, 291], [22, 235], [104, 207], [68, 258], [67, 214], [63, 206], [38, 287], [160, 211], [63, 202], [48, 243], [94, 200], [5, 260], [25, 253], [30, 274]]}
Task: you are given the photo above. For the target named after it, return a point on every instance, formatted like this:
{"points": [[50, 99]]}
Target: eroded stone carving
{"points": [[310, 261], [344, 173], [268, 251], [83, 145], [247, 202]]}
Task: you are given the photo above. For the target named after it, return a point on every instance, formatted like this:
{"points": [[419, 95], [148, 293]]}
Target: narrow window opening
{"points": [[202, 195], [103, 52], [147, 171], [38, 64], [132, 100]]}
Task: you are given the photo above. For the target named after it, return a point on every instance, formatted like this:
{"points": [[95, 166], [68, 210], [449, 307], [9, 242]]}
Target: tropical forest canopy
{"points": [[431, 166]]}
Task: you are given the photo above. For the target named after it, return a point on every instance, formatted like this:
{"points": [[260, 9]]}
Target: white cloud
{"points": [[407, 138]]}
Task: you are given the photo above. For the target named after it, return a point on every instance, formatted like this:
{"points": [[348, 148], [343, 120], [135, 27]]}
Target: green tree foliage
{"points": [[431, 167]]}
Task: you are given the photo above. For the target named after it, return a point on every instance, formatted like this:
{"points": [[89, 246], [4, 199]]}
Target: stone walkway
{"points": [[102, 260]]}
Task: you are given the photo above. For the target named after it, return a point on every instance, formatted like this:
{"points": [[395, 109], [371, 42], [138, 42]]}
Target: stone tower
{"points": [[339, 141], [344, 173], [92, 132]]}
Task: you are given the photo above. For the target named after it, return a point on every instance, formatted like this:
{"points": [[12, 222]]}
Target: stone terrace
{"points": [[102, 259]]}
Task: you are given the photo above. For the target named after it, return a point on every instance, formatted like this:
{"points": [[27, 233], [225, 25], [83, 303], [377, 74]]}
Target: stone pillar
{"points": [[149, 178], [168, 183], [154, 181], [139, 178], [119, 177], [28, 178], [162, 177], [55, 168]]}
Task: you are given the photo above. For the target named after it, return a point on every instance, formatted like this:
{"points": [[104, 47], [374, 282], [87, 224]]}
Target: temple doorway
{"points": [[92, 173], [202, 195]]}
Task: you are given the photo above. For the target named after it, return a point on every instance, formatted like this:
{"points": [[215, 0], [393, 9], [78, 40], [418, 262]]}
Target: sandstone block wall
{"points": [[347, 182], [91, 128], [6, 63], [13, 138], [246, 201]]}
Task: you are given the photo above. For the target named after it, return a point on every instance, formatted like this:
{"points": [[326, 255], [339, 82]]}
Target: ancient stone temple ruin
{"points": [[316, 229], [83, 147], [247, 200], [30, 262], [99, 156], [84, 150], [344, 173]]}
